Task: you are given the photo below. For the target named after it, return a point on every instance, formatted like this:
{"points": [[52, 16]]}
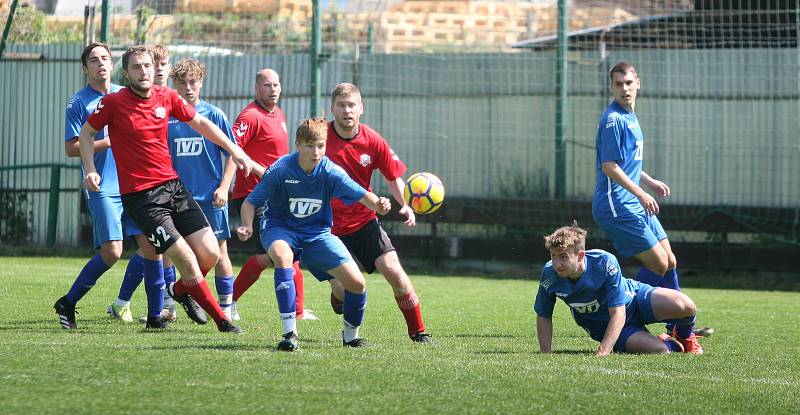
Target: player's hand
{"points": [[659, 187], [649, 203], [242, 161], [384, 206], [602, 352], [92, 182], [220, 197], [244, 232], [411, 219]]}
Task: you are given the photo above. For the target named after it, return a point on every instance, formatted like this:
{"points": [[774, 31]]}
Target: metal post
{"points": [[561, 100], [105, 20], [8, 26], [316, 51], [52, 206]]}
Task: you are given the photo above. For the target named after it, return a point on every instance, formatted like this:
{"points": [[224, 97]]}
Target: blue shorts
{"points": [[638, 314], [318, 253], [218, 220], [632, 235], [109, 221]]}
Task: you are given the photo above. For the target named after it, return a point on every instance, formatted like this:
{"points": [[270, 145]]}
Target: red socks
{"points": [[198, 289], [298, 287], [409, 306], [248, 275]]}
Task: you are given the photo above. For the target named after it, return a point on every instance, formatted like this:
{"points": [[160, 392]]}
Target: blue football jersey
{"points": [[198, 160], [620, 139], [299, 201], [77, 111], [601, 286]]}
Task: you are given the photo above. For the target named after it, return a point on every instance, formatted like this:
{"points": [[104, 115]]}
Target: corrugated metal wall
{"points": [[720, 125]]}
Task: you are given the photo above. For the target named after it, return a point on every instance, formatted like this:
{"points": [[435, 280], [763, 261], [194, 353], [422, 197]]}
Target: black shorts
{"points": [[165, 213], [235, 207], [368, 244]]}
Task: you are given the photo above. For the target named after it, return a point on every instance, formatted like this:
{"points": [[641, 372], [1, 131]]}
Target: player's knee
{"points": [[111, 252]]}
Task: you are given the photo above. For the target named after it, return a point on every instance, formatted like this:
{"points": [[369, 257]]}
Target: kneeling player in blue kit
{"points": [[613, 310]]}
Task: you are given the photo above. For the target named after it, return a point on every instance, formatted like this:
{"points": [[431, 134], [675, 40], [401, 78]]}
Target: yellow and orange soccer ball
{"points": [[424, 192]]}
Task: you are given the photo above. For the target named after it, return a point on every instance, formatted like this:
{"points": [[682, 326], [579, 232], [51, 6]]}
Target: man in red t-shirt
{"points": [[360, 150], [137, 119], [260, 130]]}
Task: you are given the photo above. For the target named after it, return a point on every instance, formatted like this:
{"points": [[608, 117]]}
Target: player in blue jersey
{"points": [[205, 168], [296, 192], [613, 310], [109, 223], [620, 206]]}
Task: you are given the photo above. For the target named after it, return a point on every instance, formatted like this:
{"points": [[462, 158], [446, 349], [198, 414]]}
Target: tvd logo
{"points": [[302, 207]]}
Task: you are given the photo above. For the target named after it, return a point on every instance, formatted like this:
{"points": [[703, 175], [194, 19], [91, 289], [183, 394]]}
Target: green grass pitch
{"points": [[484, 358]]}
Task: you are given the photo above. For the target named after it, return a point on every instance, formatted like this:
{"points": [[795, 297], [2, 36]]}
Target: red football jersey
{"points": [[263, 136], [359, 156], [137, 130]]}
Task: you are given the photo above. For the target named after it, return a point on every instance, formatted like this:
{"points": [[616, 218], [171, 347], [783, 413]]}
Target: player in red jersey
{"points": [[360, 150], [260, 130], [158, 203]]}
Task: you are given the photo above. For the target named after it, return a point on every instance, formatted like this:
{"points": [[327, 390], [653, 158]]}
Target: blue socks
{"points": [[154, 286], [134, 274], [88, 276], [648, 277], [684, 327], [670, 280], [354, 306], [284, 290], [169, 275], [224, 285]]}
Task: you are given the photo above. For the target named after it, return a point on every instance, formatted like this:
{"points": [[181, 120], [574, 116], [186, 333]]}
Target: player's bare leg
{"points": [[644, 342], [389, 265], [676, 306]]}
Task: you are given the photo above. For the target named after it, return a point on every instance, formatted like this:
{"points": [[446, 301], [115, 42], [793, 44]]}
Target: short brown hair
{"points": [[88, 49], [345, 90], [159, 52], [311, 130], [137, 50], [188, 69], [623, 68], [568, 238]]}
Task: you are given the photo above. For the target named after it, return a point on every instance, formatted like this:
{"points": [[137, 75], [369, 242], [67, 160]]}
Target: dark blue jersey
{"points": [[78, 109], [198, 160], [619, 139], [300, 201]]}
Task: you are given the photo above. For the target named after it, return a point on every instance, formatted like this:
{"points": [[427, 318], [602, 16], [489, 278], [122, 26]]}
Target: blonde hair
{"points": [[312, 130], [188, 69], [345, 90], [159, 52], [567, 238]]}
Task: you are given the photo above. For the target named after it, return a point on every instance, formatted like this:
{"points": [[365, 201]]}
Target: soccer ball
{"points": [[424, 192]]}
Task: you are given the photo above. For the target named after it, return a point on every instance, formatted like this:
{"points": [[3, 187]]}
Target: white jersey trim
{"points": [[610, 201]]}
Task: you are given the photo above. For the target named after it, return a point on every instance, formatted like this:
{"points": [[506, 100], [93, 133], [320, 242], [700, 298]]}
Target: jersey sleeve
{"points": [[613, 285], [220, 120], [390, 165], [103, 114], [344, 188], [180, 108], [610, 141], [75, 117], [242, 129], [545, 301]]}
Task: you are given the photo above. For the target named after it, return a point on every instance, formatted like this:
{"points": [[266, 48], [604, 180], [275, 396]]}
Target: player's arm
{"points": [[657, 186], [220, 197], [613, 171], [246, 214], [396, 189], [615, 323], [544, 331], [72, 148], [381, 205], [91, 180], [209, 130]]}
